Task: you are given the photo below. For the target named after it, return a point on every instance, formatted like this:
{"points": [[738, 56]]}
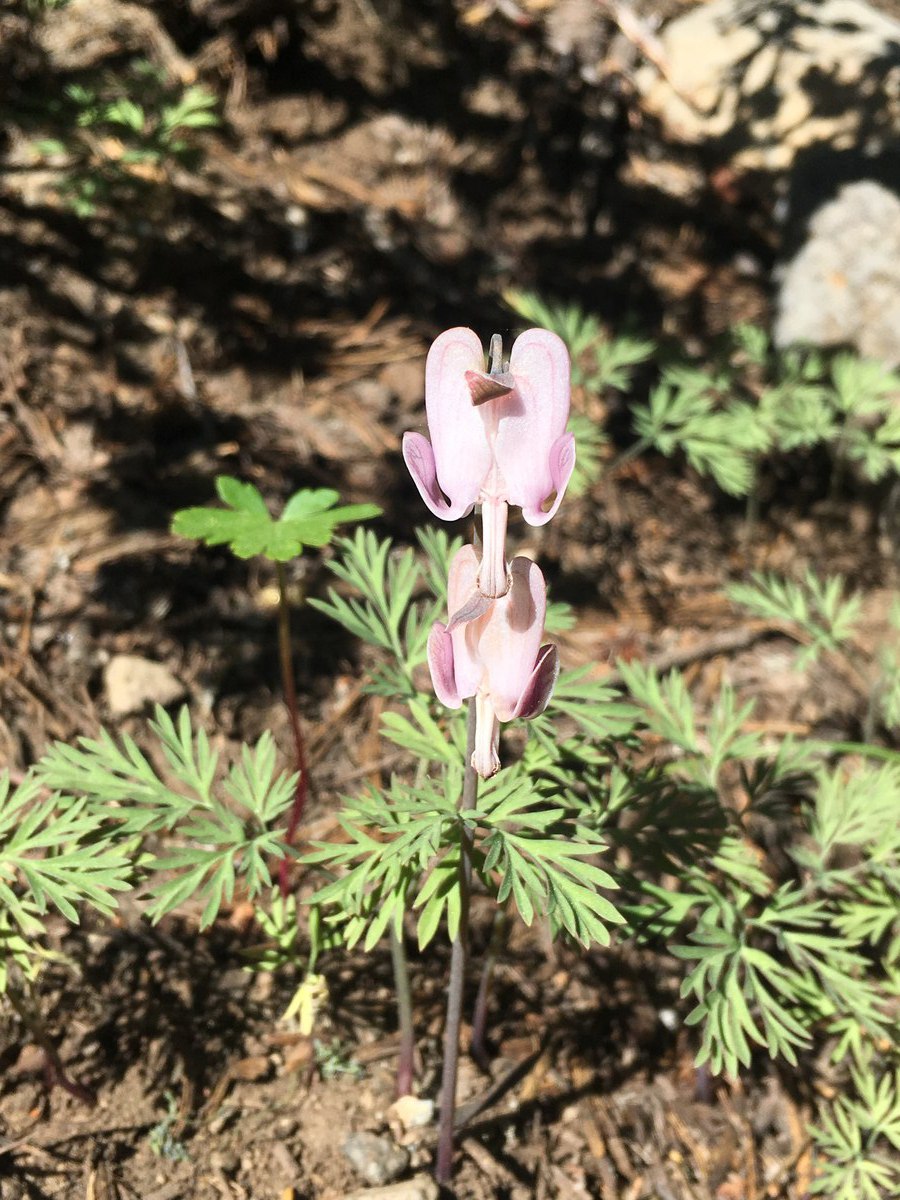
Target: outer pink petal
{"points": [[440, 663], [419, 458], [562, 464], [462, 586], [539, 688], [532, 419], [461, 452], [511, 637]]}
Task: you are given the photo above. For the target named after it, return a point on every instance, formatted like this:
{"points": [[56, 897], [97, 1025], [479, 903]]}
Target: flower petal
{"points": [[474, 607], [462, 578], [483, 387], [532, 420], [465, 630], [539, 688], [461, 452], [419, 458], [420, 463], [511, 637], [440, 664], [485, 756], [562, 464]]}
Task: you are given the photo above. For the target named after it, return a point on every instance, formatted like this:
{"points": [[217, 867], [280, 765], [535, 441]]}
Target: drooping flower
{"points": [[497, 437], [491, 649]]}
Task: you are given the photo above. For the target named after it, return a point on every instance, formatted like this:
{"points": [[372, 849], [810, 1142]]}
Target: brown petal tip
{"points": [[484, 387]]}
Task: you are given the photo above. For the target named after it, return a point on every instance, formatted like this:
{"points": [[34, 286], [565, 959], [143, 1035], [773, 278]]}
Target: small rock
{"points": [[411, 1112], [376, 1157], [225, 1161], [422, 1187], [843, 286], [132, 682]]}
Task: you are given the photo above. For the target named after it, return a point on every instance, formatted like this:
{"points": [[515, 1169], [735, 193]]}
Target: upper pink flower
{"points": [[498, 436]]}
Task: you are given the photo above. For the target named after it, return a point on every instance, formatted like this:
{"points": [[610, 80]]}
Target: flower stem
{"points": [[626, 456], [55, 1072], [406, 1057], [289, 687], [492, 577], [477, 1049], [458, 955]]}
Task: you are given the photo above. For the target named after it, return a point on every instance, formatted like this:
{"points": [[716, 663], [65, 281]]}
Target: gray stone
{"points": [[843, 285], [375, 1157]]}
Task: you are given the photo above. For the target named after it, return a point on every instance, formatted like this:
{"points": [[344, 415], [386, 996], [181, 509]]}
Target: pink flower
{"points": [[497, 437], [491, 649]]}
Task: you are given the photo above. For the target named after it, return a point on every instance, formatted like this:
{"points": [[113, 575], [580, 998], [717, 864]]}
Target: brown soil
{"points": [[385, 169]]}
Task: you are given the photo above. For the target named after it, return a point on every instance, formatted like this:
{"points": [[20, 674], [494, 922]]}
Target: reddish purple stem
{"points": [[290, 699]]}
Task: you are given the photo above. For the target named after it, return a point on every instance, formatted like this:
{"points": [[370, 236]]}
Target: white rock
{"points": [[411, 1112], [131, 683], [843, 285], [770, 80], [422, 1187]]}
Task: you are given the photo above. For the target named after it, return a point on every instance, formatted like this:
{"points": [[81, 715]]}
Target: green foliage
{"points": [[857, 1137], [113, 135], [161, 1138], [669, 713], [546, 875], [247, 527], [889, 663], [277, 920], [593, 708], [817, 606], [598, 361], [793, 406], [770, 964], [740, 404], [784, 953], [822, 614], [333, 1059], [53, 854], [228, 826], [865, 398], [387, 612], [691, 411], [403, 850], [776, 963]]}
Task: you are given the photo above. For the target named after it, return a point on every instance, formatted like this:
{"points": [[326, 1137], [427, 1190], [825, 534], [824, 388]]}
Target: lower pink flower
{"points": [[491, 649]]}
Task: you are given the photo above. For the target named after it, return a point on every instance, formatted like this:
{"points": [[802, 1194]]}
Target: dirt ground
{"points": [[386, 168]]}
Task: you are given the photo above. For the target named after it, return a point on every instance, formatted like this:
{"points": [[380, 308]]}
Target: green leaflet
{"points": [[246, 526]]}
